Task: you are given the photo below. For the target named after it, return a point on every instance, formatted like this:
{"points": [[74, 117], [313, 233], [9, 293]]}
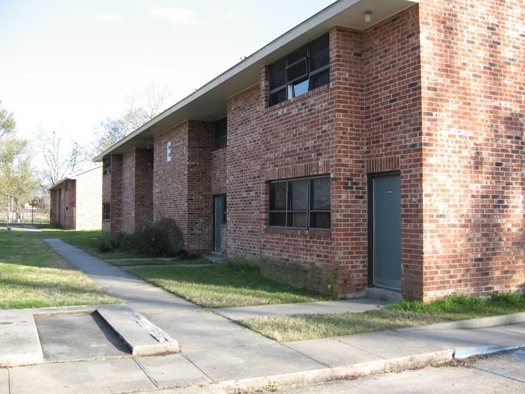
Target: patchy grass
{"points": [[33, 276], [224, 285], [398, 315]]}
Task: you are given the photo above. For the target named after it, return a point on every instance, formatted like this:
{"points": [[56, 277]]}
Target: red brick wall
{"points": [[219, 174], [320, 132], [128, 192], [112, 193], [200, 199], [170, 178], [393, 127], [63, 200], [182, 186], [143, 186], [137, 180], [472, 111]]}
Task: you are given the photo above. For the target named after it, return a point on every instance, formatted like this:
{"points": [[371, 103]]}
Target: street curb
{"points": [[339, 373]]}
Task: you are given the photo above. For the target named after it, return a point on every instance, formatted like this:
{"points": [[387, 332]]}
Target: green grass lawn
{"points": [[398, 315], [224, 285], [33, 276]]}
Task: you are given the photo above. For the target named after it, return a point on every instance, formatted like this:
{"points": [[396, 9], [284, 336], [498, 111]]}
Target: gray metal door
{"points": [[386, 231], [219, 208]]}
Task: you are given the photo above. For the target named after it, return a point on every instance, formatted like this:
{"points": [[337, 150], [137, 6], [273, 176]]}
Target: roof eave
{"points": [[209, 102]]}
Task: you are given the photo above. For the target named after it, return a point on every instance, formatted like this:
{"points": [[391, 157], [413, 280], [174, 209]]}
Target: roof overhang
{"points": [[209, 102]]}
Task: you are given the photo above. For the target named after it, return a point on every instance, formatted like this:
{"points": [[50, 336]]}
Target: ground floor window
{"points": [[300, 203], [106, 211]]}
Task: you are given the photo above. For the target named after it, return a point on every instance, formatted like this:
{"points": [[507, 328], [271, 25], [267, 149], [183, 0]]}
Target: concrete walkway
{"points": [[216, 355]]}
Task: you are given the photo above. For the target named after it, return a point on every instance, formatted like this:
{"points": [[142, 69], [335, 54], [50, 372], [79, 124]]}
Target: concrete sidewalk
{"points": [[216, 355]]}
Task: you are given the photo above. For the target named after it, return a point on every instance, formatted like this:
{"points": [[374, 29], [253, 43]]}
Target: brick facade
{"points": [[433, 94], [76, 201], [137, 178], [472, 126], [182, 182]]}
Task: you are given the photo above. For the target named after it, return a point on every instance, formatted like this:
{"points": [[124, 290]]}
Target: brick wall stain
{"points": [[472, 114]]}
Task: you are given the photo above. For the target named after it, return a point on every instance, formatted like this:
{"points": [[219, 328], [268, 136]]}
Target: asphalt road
{"points": [[500, 373]]}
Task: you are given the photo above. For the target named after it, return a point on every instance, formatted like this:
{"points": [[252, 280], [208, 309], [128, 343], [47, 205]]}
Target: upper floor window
{"points": [[221, 133], [300, 203], [106, 165], [301, 71]]}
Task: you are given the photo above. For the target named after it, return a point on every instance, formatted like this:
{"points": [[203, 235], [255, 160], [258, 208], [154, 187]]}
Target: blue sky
{"points": [[66, 65]]}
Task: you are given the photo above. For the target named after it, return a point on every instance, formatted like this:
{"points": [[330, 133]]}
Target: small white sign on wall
{"points": [[168, 151]]}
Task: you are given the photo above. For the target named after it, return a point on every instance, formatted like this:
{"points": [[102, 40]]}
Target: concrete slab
{"points": [[469, 343], [519, 328], [85, 377], [19, 342], [142, 296], [196, 331], [331, 352], [353, 305], [142, 337], [4, 381], [234, 364], [78, 337], [510, 364], [173, 370], [390, 345]]}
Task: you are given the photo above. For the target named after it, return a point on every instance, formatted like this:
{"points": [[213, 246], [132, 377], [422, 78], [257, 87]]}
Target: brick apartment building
{"points": [[75, 201], [360, 149]]}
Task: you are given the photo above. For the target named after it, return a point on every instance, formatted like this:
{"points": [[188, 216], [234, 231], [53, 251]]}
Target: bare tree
{"points": [[156, 97], [140, 108], [60, 162]]}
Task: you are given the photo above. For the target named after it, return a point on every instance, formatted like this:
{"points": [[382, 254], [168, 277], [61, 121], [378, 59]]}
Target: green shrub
{"points": [[113, 243], [158, 239], [106, 245]]}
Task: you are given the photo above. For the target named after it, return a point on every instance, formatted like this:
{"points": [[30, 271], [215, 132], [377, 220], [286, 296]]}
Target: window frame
{"points": [[106, 211], [106, 165], [287, 78], [294, 215], [220, 134]]}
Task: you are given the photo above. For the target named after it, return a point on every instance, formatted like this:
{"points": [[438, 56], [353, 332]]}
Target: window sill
{"points": [[297, 99], [310, 233]]}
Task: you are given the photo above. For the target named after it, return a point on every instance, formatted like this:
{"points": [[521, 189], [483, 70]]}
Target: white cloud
{"points": [[175, 15], [110, 18]]}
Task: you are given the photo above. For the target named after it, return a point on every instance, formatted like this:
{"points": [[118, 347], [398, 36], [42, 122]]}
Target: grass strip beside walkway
{"points": [[224, 285], [395, 316]]}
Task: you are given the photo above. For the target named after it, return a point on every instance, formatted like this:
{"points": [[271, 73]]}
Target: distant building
{"points": [[76, 202], [378, 144]]}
